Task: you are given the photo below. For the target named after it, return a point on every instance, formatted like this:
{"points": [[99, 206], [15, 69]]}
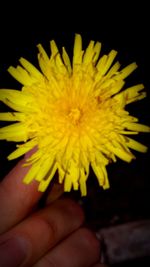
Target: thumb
{"points": [[13, 252]]}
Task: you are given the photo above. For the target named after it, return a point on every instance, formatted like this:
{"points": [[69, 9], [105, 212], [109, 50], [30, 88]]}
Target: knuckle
{"points": [[48, 229]]}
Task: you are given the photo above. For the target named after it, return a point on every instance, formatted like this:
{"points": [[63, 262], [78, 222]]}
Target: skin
{"points": [[53, 236]]}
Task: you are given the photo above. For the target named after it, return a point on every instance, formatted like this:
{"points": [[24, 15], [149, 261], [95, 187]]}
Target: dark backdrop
{"points": [[124, 27]]}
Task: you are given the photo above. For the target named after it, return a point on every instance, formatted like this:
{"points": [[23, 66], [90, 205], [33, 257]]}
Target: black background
{"points": [[122, 26]]}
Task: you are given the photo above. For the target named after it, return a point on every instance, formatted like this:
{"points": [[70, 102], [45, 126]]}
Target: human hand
{"points": [[48, 237]]}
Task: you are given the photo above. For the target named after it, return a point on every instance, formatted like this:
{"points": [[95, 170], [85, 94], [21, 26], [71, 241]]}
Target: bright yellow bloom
{"points": [[74, 113]]}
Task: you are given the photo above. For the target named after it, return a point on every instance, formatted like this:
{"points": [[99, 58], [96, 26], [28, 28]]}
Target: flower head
{"points": [[74, 113]]}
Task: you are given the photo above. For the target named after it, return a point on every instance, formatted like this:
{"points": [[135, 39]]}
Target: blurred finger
{"points": [[81, 249], [45, 229], [16, 198], [100, 265]]}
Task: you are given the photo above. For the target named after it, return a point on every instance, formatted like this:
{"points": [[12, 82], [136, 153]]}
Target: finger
{"points": [[16, 198], [81, 249], [100, 265], [56, 192], [12, 252], [46, 228]]}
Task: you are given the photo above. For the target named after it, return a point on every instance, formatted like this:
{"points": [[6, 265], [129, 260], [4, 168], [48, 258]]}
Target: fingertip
{"points": [[91, 241], [73, 208]]}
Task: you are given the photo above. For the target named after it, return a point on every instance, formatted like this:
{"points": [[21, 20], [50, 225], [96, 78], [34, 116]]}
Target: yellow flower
{"points": [[74, 113]]}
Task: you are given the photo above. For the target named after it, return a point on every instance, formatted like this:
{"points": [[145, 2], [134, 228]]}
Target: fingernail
{"points": [[13, 252]]}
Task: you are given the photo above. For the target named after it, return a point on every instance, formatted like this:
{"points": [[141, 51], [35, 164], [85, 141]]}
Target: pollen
{"points": [[75, 115]]}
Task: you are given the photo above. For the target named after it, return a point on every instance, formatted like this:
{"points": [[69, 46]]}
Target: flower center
{"points": [[75, 115]]}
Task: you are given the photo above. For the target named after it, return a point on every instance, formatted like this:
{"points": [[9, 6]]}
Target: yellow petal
{"points": [[32, 173], [77, 52], [54, 48], [59, 65], [89, 53], [15, 96], [101, 174], [137, 127], [126, 71], [21, 75], [12, 116], [120, 153], [110, 58], [43, 59], [15, 132], [136, 145], [66, 60], [82, 181], [44, 183], [100, 65], [97, 49], [22, 149], [46, 167], [30, 68], [113, 70]]}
